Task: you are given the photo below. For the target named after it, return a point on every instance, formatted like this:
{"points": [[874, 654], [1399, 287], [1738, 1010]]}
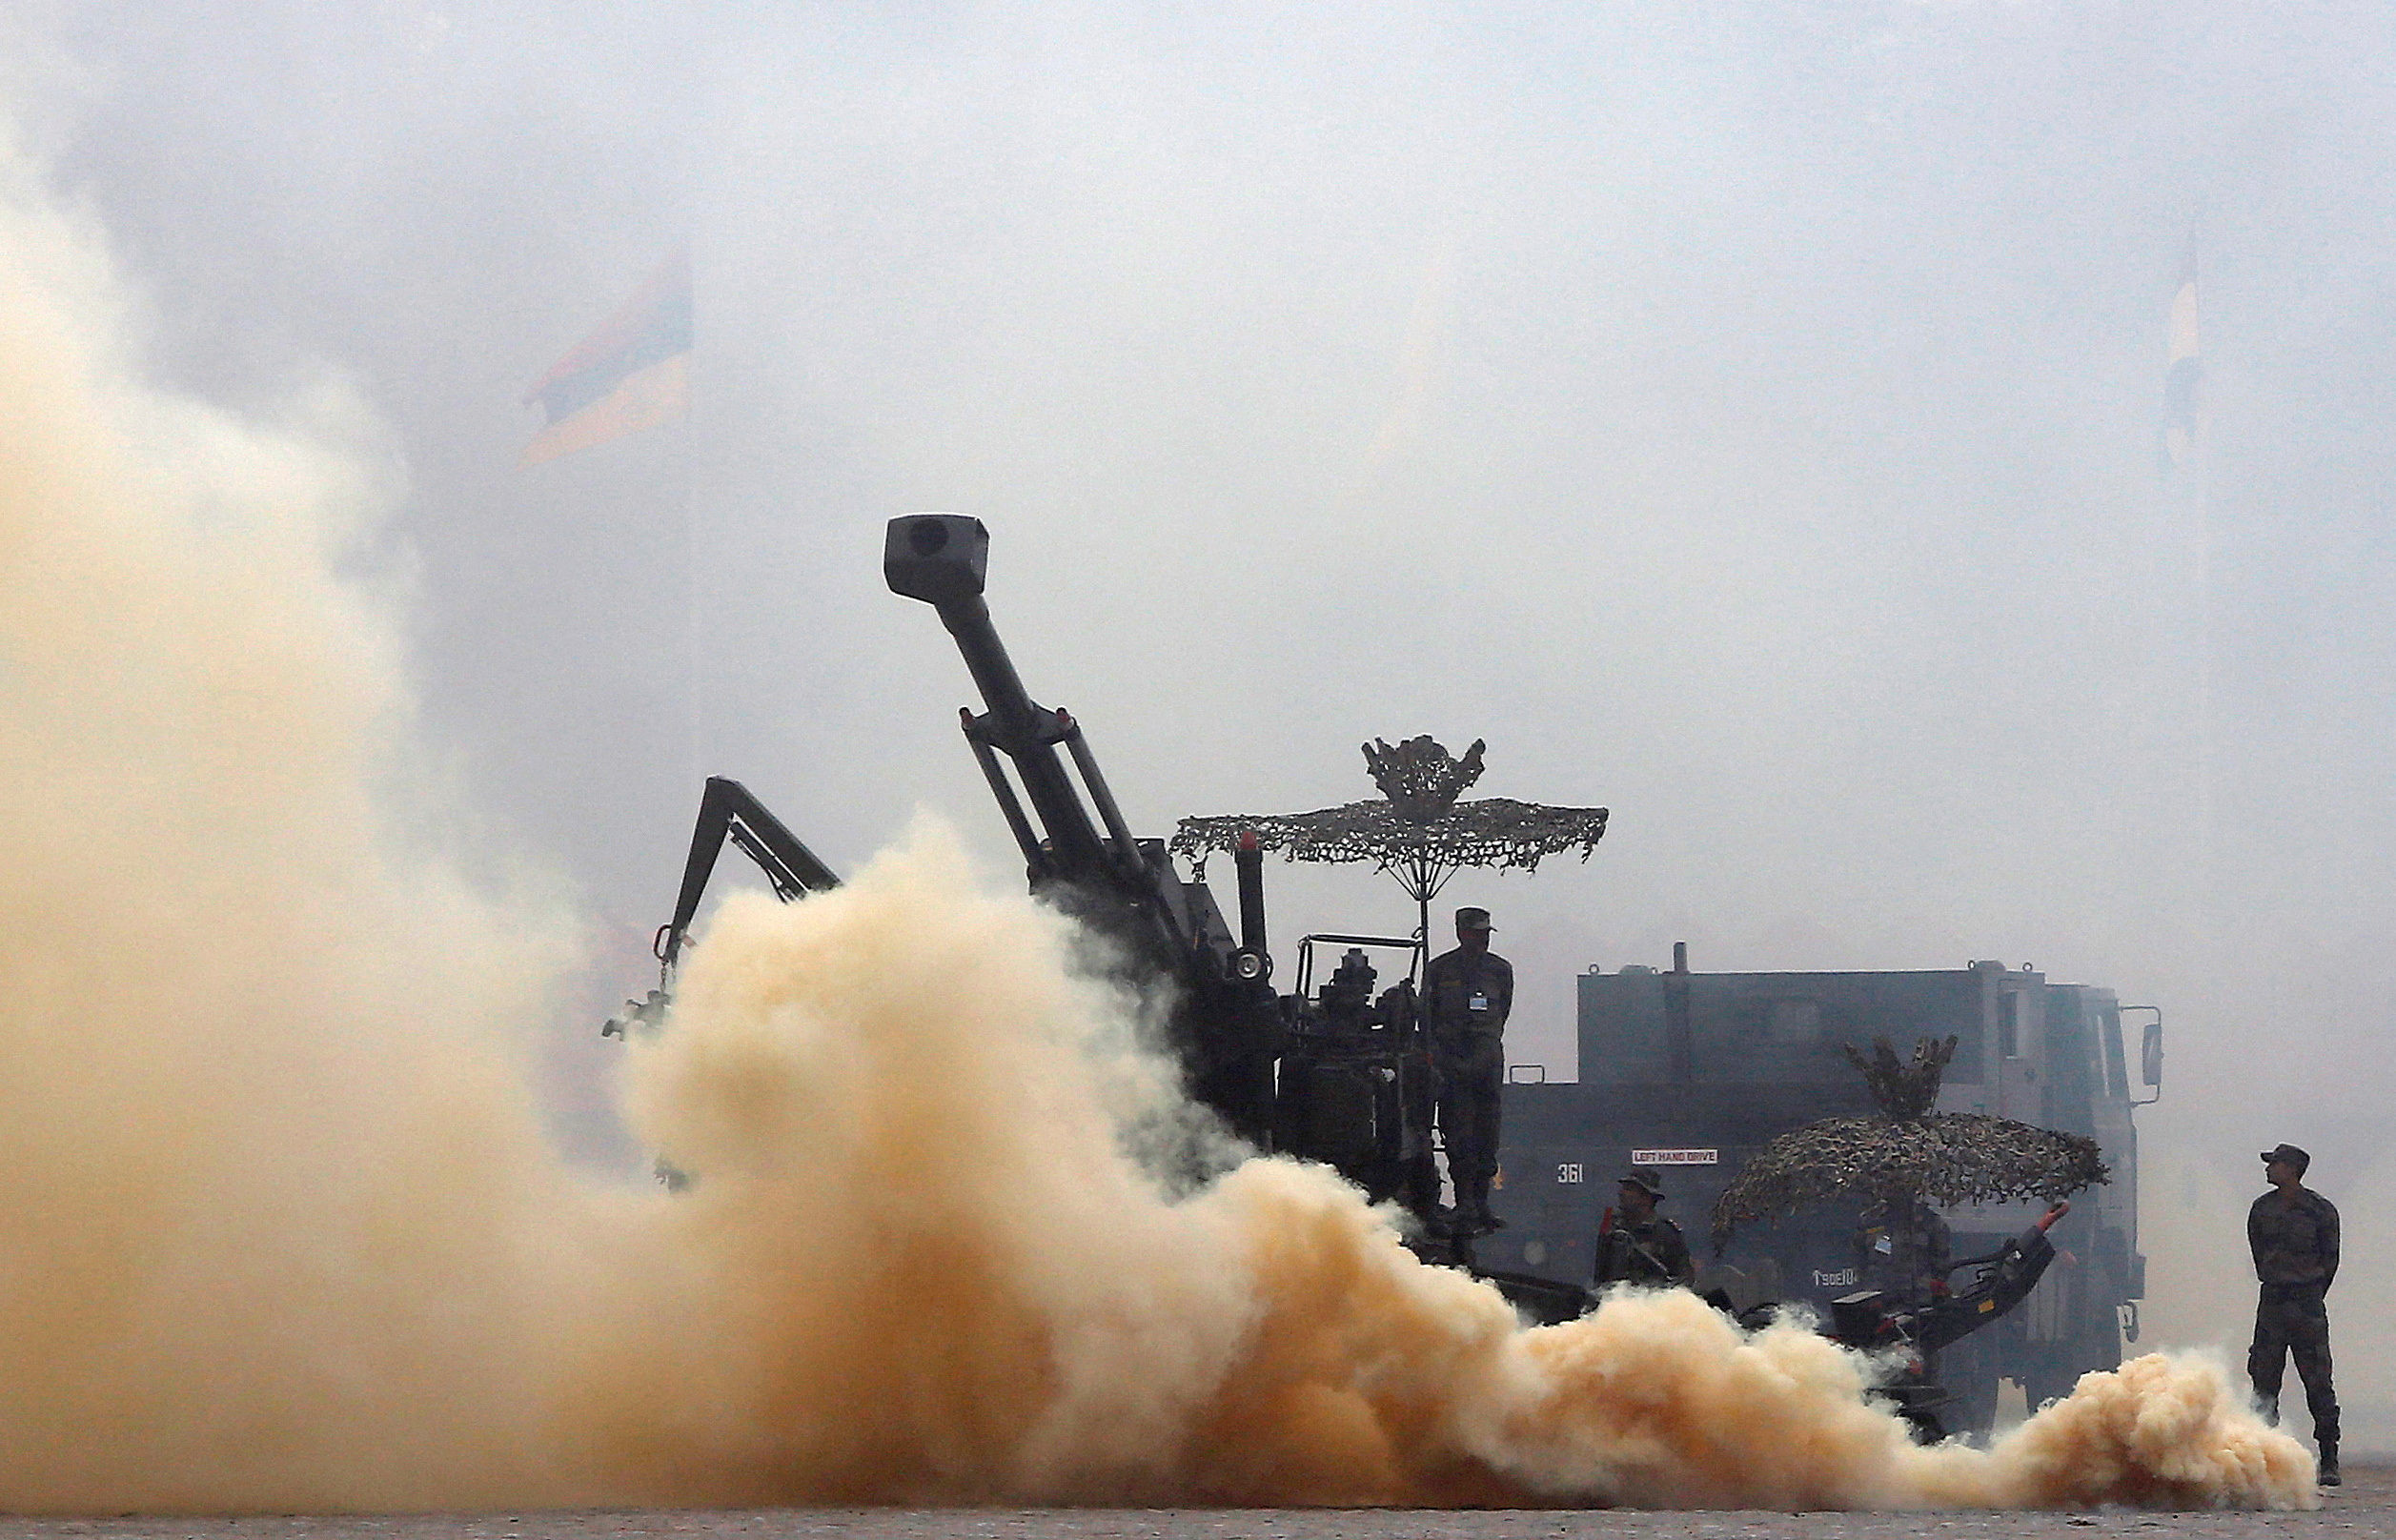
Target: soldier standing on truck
{"points": [[1467, 994], [1635, 1245], [2293, 1233]]}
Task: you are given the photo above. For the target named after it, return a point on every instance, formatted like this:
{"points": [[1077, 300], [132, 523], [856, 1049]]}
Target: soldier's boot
{"points": [[1473, 1206], [2269, 1408], [2329, 1476]]}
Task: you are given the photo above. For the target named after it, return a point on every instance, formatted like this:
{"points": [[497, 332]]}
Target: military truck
{"points": [[1694, 1073]]}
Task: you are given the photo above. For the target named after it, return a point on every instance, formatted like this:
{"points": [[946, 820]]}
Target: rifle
{"points": [[1606, 1229]]}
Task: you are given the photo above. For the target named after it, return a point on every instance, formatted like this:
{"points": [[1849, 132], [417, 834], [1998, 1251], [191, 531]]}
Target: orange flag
{"points": [[631, 373]]}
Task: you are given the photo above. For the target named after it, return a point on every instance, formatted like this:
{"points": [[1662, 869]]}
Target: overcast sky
{"points": [[1742, 416]]}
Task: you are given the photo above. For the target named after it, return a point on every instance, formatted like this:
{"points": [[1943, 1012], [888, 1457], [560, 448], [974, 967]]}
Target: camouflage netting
{"points": [[1906, 1150], [1492, 831], [1902, 1089], [1416, 830]]}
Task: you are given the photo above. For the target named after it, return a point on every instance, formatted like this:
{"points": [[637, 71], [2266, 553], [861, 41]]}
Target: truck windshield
{"points": [[1642, 1027]]}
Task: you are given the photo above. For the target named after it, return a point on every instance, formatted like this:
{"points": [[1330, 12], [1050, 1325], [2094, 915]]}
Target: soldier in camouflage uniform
{"points": [[1635, 1245], [1467, 996], [2293, 1231]]}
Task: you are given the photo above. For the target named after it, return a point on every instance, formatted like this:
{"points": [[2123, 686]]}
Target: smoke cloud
{"points": [[935, 1276], [267, 1159], [282, 1230]]}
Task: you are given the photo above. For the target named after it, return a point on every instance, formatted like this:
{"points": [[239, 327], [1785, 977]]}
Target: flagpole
{"points": [[2206, 842], [693, 755], [2200, 494], [2187, 466]]}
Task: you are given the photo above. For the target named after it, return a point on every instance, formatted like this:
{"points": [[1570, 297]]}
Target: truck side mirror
{"points": [[2150, 1055]]}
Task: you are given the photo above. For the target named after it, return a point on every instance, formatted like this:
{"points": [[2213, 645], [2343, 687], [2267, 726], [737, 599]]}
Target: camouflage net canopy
{"points": [[1907, 1151], [1416, 830]]}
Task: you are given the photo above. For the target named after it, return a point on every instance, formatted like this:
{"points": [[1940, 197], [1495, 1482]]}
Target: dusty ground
{"points": [[2367, 1505]]}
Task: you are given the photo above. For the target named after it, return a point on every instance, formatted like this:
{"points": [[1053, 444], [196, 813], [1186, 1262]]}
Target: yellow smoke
{"points": [[937, 1278], [279, 1228], [265, 1165]]}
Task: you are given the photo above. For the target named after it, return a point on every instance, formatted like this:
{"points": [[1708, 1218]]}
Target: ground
{"points": [[2367, 1505]]}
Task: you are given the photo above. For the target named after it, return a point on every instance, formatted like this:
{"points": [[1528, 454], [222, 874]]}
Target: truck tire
{"points": [[1974, 1408], [1967, 1370], [2052, 1377]]}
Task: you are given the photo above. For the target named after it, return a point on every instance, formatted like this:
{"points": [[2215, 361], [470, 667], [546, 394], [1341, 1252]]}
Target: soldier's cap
{"points": [[2289, 1153], [1471, 919], [1645, 1182]]}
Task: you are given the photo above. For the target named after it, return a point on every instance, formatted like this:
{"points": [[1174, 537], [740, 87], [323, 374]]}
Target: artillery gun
{"points": [[1224, 1023], [1223, 1020], [1908, 1334], [1336, 1075]]}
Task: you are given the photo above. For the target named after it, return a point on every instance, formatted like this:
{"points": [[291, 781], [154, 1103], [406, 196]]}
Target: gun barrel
{"points": [[942, 560]]}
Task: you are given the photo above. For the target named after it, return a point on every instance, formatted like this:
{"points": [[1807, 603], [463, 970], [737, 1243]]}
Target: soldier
{"points": [[2293, 1233], [1466, 996], [1635, 1245]]}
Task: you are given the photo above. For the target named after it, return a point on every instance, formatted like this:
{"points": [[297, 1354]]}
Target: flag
{"points": [[2183, 388], [631, 373]]}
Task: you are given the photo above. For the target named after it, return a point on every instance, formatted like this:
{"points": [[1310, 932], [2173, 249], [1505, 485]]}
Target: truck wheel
{"points": [[2052, 1379], [2104, 1339], [1922, 1422], [2097, 1345], [1973, 1408]]}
